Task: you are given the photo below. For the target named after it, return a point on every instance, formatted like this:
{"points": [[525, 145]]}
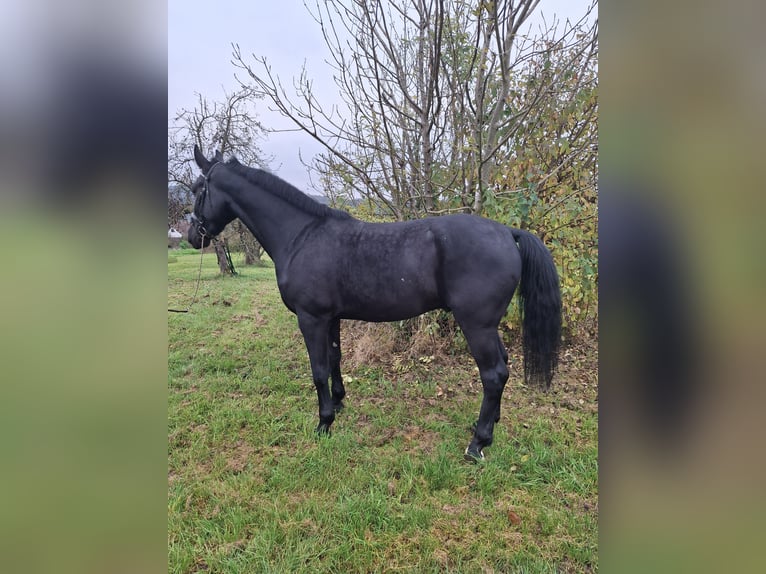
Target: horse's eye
{"points": [[196, 187]]}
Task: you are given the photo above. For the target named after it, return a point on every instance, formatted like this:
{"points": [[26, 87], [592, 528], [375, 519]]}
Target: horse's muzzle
{"points": [[197, 239]]}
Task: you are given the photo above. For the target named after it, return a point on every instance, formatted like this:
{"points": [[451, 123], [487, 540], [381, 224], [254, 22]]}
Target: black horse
{"points": [[331, 266]]}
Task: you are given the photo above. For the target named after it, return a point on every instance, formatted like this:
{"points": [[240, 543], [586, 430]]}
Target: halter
{"points": [[205, 190]]}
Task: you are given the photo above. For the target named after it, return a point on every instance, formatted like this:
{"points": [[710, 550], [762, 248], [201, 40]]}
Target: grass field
{"points": [[251, 489]]}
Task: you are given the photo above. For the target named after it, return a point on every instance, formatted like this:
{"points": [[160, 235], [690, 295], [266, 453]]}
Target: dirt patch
{"points": [[413, 438], [230, 548], [253, 317], [419, 439], [238, 456]]}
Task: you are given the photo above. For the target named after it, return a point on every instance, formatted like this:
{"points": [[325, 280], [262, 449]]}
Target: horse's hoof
{"points": [[472, 455], [339, 407], [322, 430]]}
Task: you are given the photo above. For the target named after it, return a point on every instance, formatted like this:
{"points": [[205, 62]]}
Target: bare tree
{"points": [[230, 126], [429, 90]]}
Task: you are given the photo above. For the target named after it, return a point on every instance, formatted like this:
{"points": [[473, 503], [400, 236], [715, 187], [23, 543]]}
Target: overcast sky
{"points": [[200, 35]]}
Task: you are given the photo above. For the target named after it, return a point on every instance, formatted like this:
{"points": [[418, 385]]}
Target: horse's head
{"points": [[212, 207]]}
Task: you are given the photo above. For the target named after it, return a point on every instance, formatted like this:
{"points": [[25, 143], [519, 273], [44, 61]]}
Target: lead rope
{"points": [[203, 234], [199, 280]]}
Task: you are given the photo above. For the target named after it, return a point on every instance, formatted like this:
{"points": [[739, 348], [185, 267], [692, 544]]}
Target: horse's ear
{"points": [[218, 156], [202, 161]]}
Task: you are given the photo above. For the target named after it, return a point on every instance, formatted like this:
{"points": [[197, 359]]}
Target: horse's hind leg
{"points": [[338, 390], [504, 355], [487, 350]]}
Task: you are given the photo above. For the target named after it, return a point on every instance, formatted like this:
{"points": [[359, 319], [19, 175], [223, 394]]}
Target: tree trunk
{"points": [[250, 245], [225, 264]]}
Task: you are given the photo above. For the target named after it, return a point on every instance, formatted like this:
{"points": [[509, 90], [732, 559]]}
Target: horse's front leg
{"points": [[338, 390], [314, 332]]}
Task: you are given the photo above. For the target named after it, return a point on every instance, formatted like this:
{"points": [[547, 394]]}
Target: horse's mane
{"points": [[272, 184]]}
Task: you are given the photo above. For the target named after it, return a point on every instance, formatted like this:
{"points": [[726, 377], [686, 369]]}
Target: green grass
{"points": [[251, 489]]}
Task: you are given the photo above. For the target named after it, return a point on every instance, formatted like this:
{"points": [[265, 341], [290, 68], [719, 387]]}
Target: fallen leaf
{"points": [[514, 518]]}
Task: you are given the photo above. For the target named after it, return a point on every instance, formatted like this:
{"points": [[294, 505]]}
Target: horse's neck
{"points": [[273, 221]]}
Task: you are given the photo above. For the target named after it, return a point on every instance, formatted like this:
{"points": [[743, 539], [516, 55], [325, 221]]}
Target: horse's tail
{"points": [[540, 309]]}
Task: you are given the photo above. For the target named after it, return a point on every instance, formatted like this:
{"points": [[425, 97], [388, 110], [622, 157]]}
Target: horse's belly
{"points": [[377, 314], [390, 301]]}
